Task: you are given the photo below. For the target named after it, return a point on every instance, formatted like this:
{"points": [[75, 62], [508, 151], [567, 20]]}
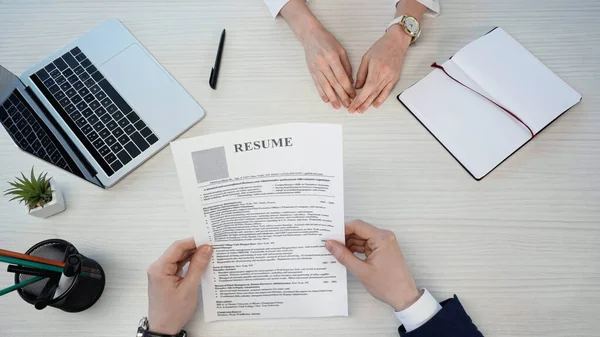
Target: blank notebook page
{"points": [[479, 134]]}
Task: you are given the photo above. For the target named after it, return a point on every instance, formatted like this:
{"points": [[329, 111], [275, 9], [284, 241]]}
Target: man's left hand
{"points": [[380, 69]]}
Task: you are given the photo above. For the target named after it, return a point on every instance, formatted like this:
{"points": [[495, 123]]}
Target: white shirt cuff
{"points": [[275, 6], [432, 5], [420, 312]]}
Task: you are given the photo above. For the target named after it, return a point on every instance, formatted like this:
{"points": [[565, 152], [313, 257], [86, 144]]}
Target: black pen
{"points": [[214, 73]]}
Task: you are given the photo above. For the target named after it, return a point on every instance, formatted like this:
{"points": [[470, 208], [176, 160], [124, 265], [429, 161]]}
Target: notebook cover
{"points": [[458, 161]]}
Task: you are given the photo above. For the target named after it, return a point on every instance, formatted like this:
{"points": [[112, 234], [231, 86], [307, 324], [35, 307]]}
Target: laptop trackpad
{"points": [[142, 83]]}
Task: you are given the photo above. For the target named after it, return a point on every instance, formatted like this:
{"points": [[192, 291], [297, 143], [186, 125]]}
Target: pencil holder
{"points": [[70, 294]]}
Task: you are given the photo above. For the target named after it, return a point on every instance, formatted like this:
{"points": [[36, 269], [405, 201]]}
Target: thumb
{"points": [[344, 256], [198, 264]]}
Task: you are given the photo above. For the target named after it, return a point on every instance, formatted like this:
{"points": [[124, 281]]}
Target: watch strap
{"points": [[145, 333], [399, 20]]}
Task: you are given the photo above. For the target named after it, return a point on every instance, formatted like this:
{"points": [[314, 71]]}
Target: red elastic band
{"points": [[435, 65]]}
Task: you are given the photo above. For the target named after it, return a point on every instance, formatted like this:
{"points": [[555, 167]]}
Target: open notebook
{"points": [[478, 133]]}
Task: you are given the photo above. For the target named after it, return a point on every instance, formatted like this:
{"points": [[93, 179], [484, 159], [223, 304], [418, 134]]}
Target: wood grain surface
{"points": [[521, 248]]}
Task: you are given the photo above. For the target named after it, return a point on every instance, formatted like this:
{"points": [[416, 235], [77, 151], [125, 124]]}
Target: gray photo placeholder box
{"points": [[210, 164]]}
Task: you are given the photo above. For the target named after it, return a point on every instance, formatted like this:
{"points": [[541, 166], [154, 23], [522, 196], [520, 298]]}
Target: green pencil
{"points": [[20, 285]]}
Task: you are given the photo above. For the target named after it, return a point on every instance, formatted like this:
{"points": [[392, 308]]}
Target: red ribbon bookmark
{"points": [[435, 65]]}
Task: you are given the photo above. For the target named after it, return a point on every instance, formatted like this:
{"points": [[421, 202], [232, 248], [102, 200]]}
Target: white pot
{"points": [[54, 207]]}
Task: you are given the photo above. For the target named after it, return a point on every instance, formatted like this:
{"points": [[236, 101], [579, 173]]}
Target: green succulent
{"points": [[33, 192]]}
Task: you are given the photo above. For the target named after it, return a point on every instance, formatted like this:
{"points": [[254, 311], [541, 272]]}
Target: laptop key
{"points": [[132, 149], [100, 111], [87, 129], [89, 98], [106, 119], [93, 119], [100, 95], [123, 122], [89, 82], [71, 92], [43, 74], [75, 115], [59, 95], [86, 63], [94, 89], [50, 67], [123, 139], [139, 141], [117, 132], [98, 143], [104, 151], [133, 117], [146, 132], [84, 91], [76, 99], [75, 51], [116, 147], [54, 89], [80, 57], [94, 104], [65, 101], [91, 69], [84, 76], [92, 136], [60, 64], [140, 124], [65, 86], [106, 102], [73, 79], [104, 133], [70, 109], [110, 140], [152, 139], [124, 157], [55, 157], [97, 76], [116, 166], [110, 158], [71, 61], [60, 80], [129, 129], [81, 105], [87, 113], [49, 82], [55, 73], [81, 122], [67, 73], [111, 125], [79, 70], [98, 126], [78, 85], [113, 109]]}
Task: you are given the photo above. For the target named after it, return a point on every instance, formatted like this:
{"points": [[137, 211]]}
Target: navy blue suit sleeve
{"points": [[451, 321]]}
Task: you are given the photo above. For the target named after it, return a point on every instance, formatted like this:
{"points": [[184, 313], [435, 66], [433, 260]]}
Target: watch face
{"points": [[412, 25]]}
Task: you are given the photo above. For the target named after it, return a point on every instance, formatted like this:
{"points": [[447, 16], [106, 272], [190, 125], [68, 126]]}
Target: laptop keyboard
{"points": [[30, 134], [105, 124]]}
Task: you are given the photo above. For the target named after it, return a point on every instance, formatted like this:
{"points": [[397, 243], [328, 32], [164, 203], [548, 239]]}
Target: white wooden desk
{"points": [[521, 248]]}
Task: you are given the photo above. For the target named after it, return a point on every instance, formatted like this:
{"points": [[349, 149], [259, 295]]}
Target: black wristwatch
{"points": [[143, 331]]}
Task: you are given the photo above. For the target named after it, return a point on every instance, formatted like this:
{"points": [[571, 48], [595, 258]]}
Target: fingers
{"points": [[319, 89], [374, 94], [198, 264], [361, 98], [328, 90], [341, 74], [384, 94], [344, 256], [361, 229], [348, 69], [335, 84], [363, 69], [176, 252]]}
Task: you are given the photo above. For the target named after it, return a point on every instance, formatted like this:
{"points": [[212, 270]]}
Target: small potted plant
{"points": [[41, 195]]}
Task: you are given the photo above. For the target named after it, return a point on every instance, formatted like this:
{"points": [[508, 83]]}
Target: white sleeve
{"points": [[275, 6], [433, 5], [420, 312]]}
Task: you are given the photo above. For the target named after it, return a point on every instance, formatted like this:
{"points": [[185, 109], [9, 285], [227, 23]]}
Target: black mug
{"points": [[86, 282]]}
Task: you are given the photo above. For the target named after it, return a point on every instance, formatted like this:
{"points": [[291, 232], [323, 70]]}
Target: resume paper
{"points": [[267, 199]]}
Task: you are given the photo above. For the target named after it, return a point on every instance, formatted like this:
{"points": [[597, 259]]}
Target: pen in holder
{"points": [[76, 289]]}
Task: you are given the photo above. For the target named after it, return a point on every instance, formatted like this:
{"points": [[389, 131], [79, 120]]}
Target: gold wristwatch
{"points": [[409, 24]]}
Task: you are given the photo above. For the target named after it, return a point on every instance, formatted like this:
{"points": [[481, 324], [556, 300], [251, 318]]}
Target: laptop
{"points": [[97, 108]]}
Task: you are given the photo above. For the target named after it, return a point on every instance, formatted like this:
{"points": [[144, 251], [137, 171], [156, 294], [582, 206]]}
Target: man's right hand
{"points": [[326, 58], [384, 272]]}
